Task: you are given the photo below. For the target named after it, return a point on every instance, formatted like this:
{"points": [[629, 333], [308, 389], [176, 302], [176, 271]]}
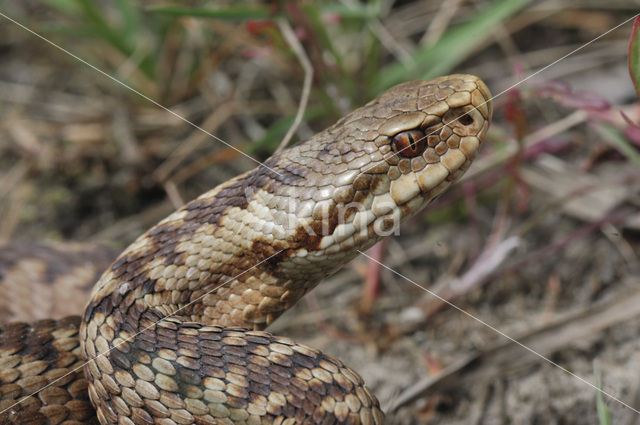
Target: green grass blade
{"points": [[117, 37], [620, 143], [231, 13], [453, 47], [130, 19], [94, 17], [274, 134], [312, 13], [353, 10], [604, 414], [69, 7]]}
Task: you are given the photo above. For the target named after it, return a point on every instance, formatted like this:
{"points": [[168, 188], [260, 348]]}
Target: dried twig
{"points": [[295, 45], [440, 22], [479, 273], [545, 340], [222, 113]]}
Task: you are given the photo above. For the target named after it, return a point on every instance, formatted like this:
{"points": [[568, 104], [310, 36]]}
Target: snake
{"points": [[173, 331], [45, 279]]}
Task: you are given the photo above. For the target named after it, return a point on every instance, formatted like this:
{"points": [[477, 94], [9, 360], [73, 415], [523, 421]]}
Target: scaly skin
{"points": [[173, 329], [48, 280]]}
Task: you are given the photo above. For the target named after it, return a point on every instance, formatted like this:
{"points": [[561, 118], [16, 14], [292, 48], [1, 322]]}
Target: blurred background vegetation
{"points": [[550, 208]]}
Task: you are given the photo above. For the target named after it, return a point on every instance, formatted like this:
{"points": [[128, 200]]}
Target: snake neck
{"points": [[244, 252], [236, 256], [159, 322]]}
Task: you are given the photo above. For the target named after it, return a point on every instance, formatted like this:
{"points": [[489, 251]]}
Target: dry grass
{"points": [[540, 240]]}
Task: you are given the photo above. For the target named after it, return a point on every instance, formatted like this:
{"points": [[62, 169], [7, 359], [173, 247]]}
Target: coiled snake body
{"points": [[173, 329]]}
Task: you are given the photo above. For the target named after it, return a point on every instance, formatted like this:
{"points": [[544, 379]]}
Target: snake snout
{"points": [[465, 121], [457, 112]]}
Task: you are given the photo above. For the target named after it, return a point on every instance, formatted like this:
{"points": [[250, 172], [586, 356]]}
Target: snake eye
{"points": [[409, 143]]}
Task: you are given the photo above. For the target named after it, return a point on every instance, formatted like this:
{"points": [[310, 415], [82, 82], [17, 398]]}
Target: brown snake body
{"points": [[173, 329]]}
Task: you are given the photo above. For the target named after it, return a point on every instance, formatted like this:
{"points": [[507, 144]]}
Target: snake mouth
{"points": [[483, 104]]}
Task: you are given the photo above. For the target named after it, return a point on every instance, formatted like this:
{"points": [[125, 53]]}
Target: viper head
{"points": [[318, 204], [357, 180], [429, 146]]}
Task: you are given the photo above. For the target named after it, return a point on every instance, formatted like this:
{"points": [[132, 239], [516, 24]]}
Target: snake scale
{"points": [[173, 330]]}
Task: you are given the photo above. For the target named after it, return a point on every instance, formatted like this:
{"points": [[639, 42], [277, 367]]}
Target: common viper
{"points": [[172, 332]]}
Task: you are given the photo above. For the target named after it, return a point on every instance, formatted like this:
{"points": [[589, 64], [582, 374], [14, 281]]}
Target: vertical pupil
{"points": [[411, 141]]}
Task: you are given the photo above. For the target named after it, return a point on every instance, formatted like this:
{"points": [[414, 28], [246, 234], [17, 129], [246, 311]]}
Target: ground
{"points": [[537, 247]]}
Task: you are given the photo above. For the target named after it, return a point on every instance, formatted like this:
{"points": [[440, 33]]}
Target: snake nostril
{"points": [[466, 119]]}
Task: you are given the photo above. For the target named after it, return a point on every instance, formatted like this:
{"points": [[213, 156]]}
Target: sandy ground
{"points": [[537, 246]]}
